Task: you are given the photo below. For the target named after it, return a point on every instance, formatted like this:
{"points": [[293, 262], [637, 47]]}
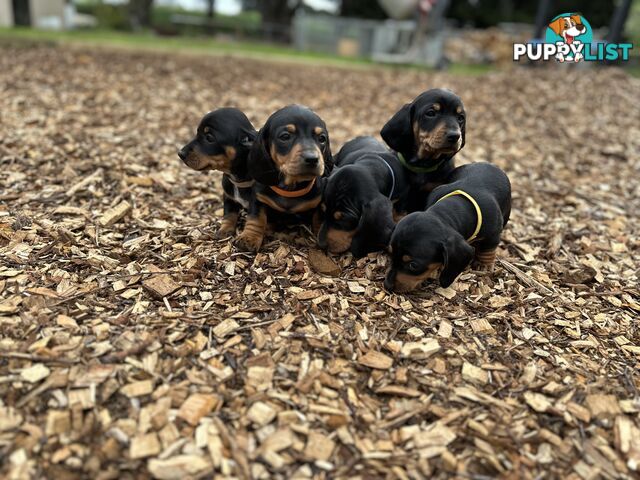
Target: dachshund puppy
{"points": [[357, 210], [222, 142], [288, 161], [427, 133], [472, 209]]}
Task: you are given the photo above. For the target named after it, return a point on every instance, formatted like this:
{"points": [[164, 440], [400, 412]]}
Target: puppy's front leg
{"points": [[230, 217], [486, 258], [251, 237]]}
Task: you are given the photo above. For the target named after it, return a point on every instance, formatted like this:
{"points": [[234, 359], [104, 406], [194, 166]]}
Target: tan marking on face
{"points": [[406, 258], [459, 109], [433, 142], [318, 130], [292, 165], [406, 282], [291, 128], [437, 107], [337, 215], [201, 162], [339, 241], [230, 152]]}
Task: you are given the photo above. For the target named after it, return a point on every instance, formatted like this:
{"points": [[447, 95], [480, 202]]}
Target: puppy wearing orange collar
{"points": [[288, 161]]}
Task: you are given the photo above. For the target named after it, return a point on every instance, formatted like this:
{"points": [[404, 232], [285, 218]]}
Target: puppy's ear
{"points": [[327, 157], [261, 166], [398, 132], [457, 254], [557, 25], [375, 227], [246, 137]]}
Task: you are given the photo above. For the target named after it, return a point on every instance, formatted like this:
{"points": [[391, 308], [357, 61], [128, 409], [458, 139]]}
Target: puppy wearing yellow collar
{"points": [[464, 217]]}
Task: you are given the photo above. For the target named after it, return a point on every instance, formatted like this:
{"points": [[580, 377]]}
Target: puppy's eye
{"points": [[430, 113], [413, 266], [323, 207], [460, 119], [284, 136], [322, 138], [209, 137]]}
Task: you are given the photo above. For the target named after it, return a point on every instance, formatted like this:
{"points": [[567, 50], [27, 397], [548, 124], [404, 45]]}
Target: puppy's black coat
{"points": [[222, 142], [357, 210], [427, 133], [289, 160], [440, 237]]}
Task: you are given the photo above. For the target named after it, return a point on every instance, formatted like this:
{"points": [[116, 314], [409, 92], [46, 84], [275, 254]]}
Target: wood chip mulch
{"points": [[134, 344]]}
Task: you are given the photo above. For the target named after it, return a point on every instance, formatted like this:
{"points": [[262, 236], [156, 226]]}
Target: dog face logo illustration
{"points": [[568, 27], [572, 34]]}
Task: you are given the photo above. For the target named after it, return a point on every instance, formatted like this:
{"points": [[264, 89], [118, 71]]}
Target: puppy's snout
{"points": [[311, 158], [182, 153], [390, 281], [453, 136]]}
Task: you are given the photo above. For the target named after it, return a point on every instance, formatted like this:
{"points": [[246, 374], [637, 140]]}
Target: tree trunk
{"points": [[140, 13], [211, 12], [276, 19]]}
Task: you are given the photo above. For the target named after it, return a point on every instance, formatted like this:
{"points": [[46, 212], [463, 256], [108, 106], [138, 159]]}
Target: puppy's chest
{"points": [[240, 195], [290, 205]]}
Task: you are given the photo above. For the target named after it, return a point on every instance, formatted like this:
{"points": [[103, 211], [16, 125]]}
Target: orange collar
{"points": [[294, 193]]}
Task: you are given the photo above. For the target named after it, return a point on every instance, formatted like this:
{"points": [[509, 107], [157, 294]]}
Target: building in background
{"points": [[54, 14]]}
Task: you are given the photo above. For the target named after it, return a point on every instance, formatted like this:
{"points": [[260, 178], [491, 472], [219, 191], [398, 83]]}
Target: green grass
{"points": [[206, 45]]}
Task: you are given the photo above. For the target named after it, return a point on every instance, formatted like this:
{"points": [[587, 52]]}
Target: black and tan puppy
{"points": [[357, 210], [288, 161], [427, 133], [472, 209], [222, 142]]}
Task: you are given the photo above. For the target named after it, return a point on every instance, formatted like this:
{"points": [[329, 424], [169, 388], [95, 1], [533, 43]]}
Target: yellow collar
{"points": [[475, 205]]}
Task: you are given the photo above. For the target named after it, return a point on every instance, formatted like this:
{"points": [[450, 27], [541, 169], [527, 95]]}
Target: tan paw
{"points": [[225, 231], [248, 242]]}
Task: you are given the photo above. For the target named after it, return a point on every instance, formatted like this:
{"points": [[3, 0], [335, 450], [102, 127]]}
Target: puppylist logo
{"points": [[569, 38]]}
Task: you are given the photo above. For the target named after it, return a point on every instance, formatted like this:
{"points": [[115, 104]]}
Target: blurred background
{"points": [[474, 34]]}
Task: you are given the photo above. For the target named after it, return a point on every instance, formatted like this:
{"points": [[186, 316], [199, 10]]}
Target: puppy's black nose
{"points": [[453, 137], [310, 158], [182, 153], [390, 281]]}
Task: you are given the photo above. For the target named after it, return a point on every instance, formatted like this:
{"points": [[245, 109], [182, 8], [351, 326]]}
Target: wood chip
{"points": [[115, 214], [144, 446], [261, 413], [137, 389], [473, 374], [225, 328], [179, 467], [420, 350], [35, 373], [323, 264], [603, 406], [319, 447], [376, 359], [197, 406]]}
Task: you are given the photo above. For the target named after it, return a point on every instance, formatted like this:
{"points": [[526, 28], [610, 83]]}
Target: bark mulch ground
{"points": [[134, 344]]}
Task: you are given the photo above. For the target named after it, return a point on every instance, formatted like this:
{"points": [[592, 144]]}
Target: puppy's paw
{"points": [[225, 231], [248, 242]]}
